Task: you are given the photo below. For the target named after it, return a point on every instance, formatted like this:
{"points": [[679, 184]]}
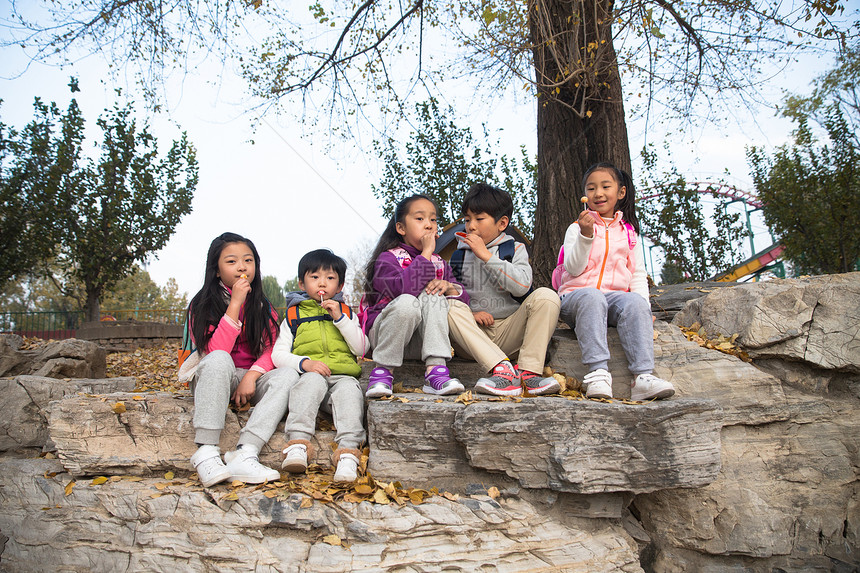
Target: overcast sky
{"points": [[290, 194]]}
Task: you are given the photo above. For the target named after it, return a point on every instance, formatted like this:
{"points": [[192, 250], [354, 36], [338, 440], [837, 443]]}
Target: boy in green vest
{"points": [[320, 338]]}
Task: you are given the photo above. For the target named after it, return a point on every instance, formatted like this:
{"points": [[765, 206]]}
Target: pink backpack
{"points": [[558, 271]]}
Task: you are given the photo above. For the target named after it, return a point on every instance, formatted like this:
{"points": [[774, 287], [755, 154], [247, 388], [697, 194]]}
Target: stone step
{"points": [[579, 446], [147, 434]]}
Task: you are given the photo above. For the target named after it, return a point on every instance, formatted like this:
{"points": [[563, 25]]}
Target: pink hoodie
{"points": [[610, 261]]}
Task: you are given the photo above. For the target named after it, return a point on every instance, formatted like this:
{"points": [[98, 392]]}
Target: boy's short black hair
{"points": [[322, 259], [484, 198]]}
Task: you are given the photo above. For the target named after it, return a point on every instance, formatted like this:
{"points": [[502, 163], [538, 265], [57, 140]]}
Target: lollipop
{"points": [[583, 200], [321, 293], [243, 276]]}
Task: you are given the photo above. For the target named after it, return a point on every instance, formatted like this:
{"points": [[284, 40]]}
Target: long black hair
{"points": [[627, 204], [390, 237], [209, 304]]}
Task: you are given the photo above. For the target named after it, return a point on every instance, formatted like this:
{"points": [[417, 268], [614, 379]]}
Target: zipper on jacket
{"points": [[605, 254]]}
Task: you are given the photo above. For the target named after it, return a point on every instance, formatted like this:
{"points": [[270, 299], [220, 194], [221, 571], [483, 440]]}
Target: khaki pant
{"points": [[525, 334]]}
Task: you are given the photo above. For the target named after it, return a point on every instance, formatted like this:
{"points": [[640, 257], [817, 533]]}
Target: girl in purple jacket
{"points": [[408, 287]]}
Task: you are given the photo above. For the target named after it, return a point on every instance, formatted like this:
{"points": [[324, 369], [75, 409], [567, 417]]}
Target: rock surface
{"points": [[151, 525], [146, 434], [71, 358], [26, 401], [785, 496], [552, 443]]}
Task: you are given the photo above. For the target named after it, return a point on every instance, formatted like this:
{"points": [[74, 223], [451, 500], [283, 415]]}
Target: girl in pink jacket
{"points": [[603, 283], [230, 330]]}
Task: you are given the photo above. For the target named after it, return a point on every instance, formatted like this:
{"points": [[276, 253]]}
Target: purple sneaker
{"points": [[439, 381], [381, 383]]}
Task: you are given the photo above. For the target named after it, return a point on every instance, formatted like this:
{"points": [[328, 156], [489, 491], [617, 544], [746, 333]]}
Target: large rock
{"points": [[152, 525], [26, 401], [553, 443], [70, 358], [753, 396], [145, 434], [787, 497], [812, 320]]}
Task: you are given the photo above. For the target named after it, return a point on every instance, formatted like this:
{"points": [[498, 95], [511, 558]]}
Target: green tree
{"points": [[697, 242], [811, 196], [291, 285], [273, 291], [137, 291], [368, 58], [106, 214], [443, 161], [29, 186]]}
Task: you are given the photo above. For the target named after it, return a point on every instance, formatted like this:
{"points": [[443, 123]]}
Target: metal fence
{"points": [[63, 324]]}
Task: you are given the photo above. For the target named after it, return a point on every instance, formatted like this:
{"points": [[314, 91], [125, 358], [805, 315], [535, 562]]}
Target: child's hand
{"points": [[484, 318], [428, 243], [438, 286], [316, 366], [476, 243], [240, 291], [333, 308], [586, 223], [246, 388]]}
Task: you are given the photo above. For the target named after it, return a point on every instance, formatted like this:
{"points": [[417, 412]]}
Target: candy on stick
{"points": [[321, 293], [243, 276], [583, 200]]}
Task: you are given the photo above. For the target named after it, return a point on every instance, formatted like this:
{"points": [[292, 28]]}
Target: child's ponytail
{"points": [[627, 204]]}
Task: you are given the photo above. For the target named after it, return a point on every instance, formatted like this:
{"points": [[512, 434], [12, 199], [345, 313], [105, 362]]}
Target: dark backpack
{"points": [[506, 253]]}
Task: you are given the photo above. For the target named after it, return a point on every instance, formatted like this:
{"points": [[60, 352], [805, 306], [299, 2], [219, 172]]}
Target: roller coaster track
{"points": [[711, 188], [758, 262]]}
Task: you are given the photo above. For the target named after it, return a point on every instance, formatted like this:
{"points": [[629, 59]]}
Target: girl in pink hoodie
{"points": [[230, 330], [603, 283]]}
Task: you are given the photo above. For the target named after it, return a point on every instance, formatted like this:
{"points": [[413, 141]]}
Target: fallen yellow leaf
{"points": [[69, 487], [380, 498], [306, 503], [493, 492], [119, 407], [99, 480], [331, 540], [139, 397], [363, 489], [169, 475]]}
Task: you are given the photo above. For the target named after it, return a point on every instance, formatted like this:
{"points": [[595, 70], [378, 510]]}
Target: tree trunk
{"points": [[92, 310], [569, 139]]}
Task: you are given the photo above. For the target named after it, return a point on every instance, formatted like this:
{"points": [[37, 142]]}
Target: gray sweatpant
{"points": [[589, 312], [412, 327], [339, 393], [215, 381]]}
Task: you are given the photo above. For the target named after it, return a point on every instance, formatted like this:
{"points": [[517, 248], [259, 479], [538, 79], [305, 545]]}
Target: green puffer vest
{"points": [[321, 340]]}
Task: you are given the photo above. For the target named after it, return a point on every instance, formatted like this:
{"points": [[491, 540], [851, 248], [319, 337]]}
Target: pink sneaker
{"points": [[503, 382]]}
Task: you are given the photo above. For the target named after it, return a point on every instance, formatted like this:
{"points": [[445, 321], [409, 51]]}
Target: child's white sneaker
{"points": [[295, 459], [649, 387], [347, 469], [244, 465], [598, 384], [210, 469]]}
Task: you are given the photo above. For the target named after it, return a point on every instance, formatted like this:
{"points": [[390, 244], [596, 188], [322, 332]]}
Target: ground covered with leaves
{"points": [[154, 368]]}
